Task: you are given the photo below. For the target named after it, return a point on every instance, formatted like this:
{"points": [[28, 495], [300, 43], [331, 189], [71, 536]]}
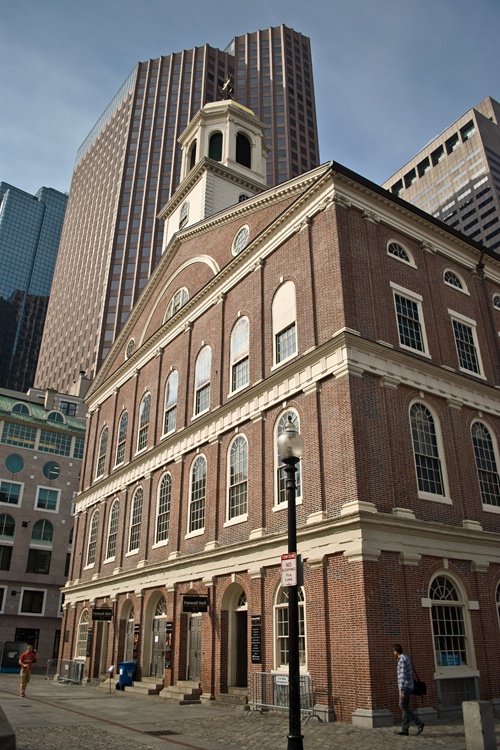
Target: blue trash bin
{"points": [[126, 670]]}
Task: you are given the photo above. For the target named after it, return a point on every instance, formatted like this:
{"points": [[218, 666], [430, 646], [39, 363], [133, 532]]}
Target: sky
{"points": [[389, 75]]}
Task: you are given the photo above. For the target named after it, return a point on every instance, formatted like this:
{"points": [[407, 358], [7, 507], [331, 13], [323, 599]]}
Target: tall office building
{"points": [[129, 166], [456, 177], [30, 230]]}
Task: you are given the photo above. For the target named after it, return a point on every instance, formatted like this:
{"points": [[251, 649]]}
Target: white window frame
{"points": [[487, 507], [114, 504], [283, 606], [200, 531], [243, 516], [236, 358], [422, 494], [143, 427], [92, 539], [284, 316], [20, 611], [120, 442], [82, 632], [176, 303], [21, 492], [411, 259], [135, 550], [162, 542], [202, 384], [102, 452], [170, 403], [417, 299], [49, 489], [240, 239], [463, 289], [473, 327]]}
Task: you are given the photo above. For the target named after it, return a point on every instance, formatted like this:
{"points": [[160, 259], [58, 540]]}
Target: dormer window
{"points": [[20, 409], [184, 214], [55, 416]]}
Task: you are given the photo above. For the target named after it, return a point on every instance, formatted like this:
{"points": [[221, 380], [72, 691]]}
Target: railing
{"points": [[64, 670], [271, 692]]}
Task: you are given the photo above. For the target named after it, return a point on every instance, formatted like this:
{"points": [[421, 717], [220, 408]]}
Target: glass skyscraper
{"points": [[129, 166], [30, 230]]}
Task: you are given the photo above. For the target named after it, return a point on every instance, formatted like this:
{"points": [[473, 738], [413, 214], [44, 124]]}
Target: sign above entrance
{"points": [[102, 613], [195, 603]]}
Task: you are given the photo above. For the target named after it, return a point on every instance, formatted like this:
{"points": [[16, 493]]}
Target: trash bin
{"points": [[126, 670]]}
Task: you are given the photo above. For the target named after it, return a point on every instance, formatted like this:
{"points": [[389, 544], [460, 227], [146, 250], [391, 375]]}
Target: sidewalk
{"points": [[54, 716]]}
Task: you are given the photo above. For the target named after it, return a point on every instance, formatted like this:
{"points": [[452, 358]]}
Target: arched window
{"points": [[55, 416], [284, 322], [122, 438], [170, 414], [197, 497], [192, 155], [101, 458], [163, 514], [82, 635], [486, 464], [135, 521], [496, 301], [92, 541], [238, 478], [399, 252], [20, 409], [112, 530], [239, 354], [280, 473], [243, 150], [43, 532], [281, 629], [448, 625], [428, 466], [202, 380], [142, 437], [215, 147], [7, 526], [177, 301], [453, 279]]}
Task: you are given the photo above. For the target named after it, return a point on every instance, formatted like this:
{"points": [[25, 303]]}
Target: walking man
{"points": [[405, 686], [26, 660]]}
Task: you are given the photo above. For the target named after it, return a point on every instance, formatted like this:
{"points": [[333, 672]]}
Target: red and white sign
{"points": [[289, 569]]}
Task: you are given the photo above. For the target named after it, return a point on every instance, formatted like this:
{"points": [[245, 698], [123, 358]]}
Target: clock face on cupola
{"points": [[224, 153]]}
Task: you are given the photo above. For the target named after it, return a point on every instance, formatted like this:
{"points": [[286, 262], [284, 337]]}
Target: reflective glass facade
{"points": [[30, 230], [129, 166]]}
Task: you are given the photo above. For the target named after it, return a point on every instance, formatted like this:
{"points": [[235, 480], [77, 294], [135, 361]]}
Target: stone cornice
{"points": [[361, 536]]}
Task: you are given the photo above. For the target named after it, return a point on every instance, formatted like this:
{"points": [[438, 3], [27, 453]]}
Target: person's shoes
{"points": [[405, 734], [420, 729], [21, 695]]}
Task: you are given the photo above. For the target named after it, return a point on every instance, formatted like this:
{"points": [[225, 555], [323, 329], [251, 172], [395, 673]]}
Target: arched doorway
{"points": [[128, 648], [235, 603], [159, 639]]}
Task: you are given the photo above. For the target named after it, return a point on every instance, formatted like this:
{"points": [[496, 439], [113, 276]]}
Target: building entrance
{"points": [[194, 647]]}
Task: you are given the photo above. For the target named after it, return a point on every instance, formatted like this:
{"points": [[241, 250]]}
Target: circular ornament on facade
{"points": [[240, 240], [130, 349], [14, 463], [51, 470]]}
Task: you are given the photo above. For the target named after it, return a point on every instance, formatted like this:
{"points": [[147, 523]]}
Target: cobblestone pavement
{"points": [[55, 716]]}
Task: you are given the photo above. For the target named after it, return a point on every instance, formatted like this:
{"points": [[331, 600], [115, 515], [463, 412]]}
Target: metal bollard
{"points": [[479, 725]]}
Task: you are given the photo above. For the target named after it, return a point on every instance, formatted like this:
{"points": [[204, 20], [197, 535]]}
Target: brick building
{"points": [[375, 328], [41, 449]]}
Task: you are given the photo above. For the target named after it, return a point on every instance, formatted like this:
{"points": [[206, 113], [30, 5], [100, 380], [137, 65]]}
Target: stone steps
{"points": [[184, 693], [234, 698]]}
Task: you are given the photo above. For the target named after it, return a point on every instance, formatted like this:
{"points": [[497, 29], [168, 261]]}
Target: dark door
{"points": [[241, 649], [194, 648], [159, 641]]}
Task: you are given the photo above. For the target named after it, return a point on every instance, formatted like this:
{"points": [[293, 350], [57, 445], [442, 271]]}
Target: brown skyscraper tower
{"points": [[129, 165]]}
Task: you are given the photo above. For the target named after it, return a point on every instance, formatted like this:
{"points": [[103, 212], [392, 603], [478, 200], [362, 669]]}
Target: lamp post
{"points": [[290, 447]]}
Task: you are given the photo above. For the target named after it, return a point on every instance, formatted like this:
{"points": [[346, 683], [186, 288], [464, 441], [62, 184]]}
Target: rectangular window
{"points": [[466, 343], [10, 492], [78, 448], [240, 374], [5, 556], [32, 602], [410, 320], [170, 420], [286, 343], [202, 399], [3, 594], [18, 434], [68, 408], [39, 561], [54, 442], [47, 499]]}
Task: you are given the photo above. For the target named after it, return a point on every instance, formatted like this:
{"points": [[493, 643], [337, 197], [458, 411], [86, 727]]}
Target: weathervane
{"points": [[227, 89]]}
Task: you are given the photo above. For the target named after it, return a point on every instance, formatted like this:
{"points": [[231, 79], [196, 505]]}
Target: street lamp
{"points": [[290, 447]]}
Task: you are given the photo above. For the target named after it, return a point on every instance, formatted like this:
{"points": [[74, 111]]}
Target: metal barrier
{"points": [[64, 670], [271, 693]]}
